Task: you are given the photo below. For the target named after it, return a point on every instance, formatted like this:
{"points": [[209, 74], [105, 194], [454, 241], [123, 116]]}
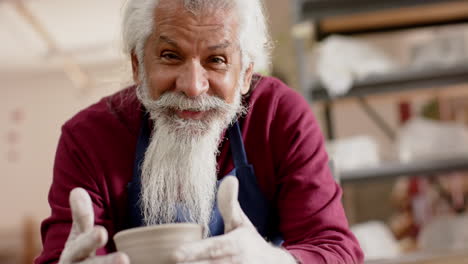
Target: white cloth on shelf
{"points": [[342, 60], [424, 139], [354, 152], [445, 233], [376, 240]]}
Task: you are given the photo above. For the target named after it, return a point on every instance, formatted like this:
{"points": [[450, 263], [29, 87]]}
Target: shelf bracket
{"points": [[328, 115], [377, 119]]}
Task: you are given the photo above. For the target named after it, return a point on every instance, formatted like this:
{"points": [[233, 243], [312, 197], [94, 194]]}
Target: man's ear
{"points": [[135, 68], [247, 79]]}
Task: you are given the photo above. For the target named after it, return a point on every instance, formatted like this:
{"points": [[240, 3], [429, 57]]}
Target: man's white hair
{"points": [[254, 39]]}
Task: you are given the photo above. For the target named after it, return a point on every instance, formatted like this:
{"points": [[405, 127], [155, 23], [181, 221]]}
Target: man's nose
{"points": [[192, 81]]}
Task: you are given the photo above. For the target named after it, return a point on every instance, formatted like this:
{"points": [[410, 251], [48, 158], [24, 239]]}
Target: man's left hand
{"points": [[240, 244]]}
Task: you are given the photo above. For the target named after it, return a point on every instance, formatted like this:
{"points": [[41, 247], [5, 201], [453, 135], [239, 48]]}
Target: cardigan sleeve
{"points": [[311, 216], [72, 168]]}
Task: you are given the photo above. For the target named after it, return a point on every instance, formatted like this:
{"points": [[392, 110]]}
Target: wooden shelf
{"points": [[449, 12], [319, 9], [455, 257], [396, 169], [399, 81]]}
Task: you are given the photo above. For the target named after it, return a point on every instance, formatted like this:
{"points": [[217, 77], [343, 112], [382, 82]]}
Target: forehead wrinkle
{"points": [[170, 14], [168, 40], [224, 40], [211, 25], [224, 45]]}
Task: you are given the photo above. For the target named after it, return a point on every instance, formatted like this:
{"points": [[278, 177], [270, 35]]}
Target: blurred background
{"points": [[387, 80]]}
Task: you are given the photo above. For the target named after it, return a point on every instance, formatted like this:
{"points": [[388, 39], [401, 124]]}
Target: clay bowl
{"points": [[155, 244]]}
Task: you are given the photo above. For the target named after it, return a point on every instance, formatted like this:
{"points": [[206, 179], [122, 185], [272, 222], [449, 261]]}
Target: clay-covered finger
{"points": [[85, 244], [82, 210]]}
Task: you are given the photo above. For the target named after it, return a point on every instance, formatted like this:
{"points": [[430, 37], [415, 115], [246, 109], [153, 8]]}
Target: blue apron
{"points": [[251, 199]]}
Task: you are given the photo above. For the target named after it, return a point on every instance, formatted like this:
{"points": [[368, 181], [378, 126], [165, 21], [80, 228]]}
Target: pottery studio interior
{"points": [[385, 84]]}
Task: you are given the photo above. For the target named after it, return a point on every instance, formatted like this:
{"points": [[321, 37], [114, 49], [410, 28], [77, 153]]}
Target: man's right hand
{"points": [[85, 238]]}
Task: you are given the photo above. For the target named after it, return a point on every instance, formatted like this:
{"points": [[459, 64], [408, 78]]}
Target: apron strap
{"points": [[134, 187], [251, 199], [237, 146]]}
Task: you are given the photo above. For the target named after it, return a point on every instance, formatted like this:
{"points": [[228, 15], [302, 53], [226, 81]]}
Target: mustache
{"points": [[179, 101]]}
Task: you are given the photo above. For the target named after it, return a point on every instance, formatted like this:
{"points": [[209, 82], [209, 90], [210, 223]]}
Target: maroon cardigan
{"points": [[282, 140]]}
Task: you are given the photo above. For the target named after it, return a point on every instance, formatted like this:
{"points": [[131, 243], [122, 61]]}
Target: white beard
{"points": [[180, 168]]}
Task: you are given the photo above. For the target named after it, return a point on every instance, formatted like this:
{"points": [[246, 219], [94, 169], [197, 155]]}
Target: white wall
{"points": [[46, 100]]}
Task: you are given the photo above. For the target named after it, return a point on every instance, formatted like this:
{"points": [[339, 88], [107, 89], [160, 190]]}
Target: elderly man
{"points": [[154, 153]]}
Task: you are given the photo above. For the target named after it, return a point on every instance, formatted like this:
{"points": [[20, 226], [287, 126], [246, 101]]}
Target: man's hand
{"points": [[84, 237], [241, 242]]}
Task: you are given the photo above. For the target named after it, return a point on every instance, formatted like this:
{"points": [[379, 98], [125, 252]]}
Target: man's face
{"points": [[194, 55], [193, 76]]}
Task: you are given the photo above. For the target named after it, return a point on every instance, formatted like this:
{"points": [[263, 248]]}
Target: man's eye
{"points": [[218, 60], [169, 56]]}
